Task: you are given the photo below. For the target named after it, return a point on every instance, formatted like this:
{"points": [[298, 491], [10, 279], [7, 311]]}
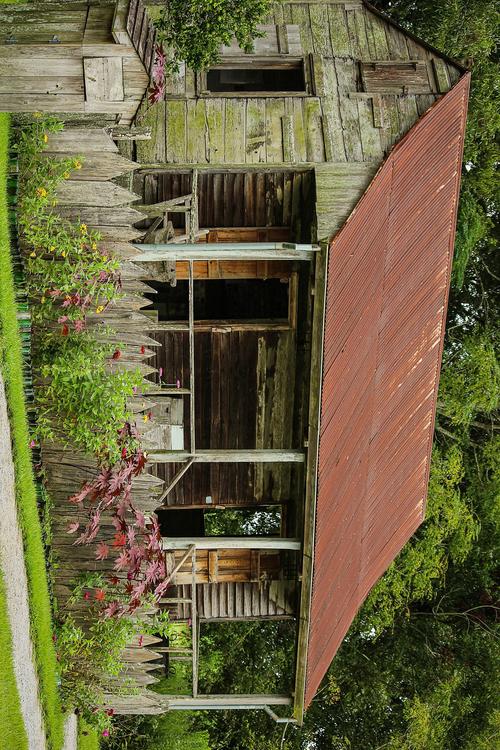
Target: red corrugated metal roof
{"points": [[387, 289]]}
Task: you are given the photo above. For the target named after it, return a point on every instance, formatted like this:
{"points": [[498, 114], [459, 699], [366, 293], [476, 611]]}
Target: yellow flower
{"points": [[83, 228], [41, 192], [77, 164], [54, 203], [37, 115], [52, 248], [42, 300], [45, 137], [33, 254], [66, 175], [99, 309], [104, 257], [63, 253], [94, 246], [146, 417]]}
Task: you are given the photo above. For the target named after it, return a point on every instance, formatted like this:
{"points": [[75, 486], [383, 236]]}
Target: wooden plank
{"points": [[213, 566], [103, 79], [311, 482], [299, 131], [96, 216], [214, 130], [442, 75], [314, 132], [255, 144], [370, 135], [195, 131], [339, 33], [331, 120], [268, 44], [235, 131], [100, 166], [378, 32], [30, 102], [176, 131], [346, 78], [80, 141], [275, 110], [153, 149], [320, 30], [228, 456], [88, 193]]}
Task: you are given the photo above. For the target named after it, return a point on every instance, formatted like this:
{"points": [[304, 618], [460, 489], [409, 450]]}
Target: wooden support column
{"points": [[231, 542], [228, 456], [226, 251]]}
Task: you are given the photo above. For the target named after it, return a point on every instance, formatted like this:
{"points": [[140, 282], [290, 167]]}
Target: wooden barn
{"points": [[293, 247]]}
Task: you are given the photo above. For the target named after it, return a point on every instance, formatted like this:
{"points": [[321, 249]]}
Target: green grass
{"points": [[11, 366], [11, 720], [87, 737]]}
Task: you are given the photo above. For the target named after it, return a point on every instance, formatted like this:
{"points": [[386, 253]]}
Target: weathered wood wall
{"points": [[61, 57], [355, 110]]}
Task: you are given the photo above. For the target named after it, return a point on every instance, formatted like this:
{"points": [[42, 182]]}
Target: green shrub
{"points": [[195, 29], [82, 400]]}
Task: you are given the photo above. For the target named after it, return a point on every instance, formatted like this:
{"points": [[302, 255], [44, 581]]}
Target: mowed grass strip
{"points": [[88, 738], [12, 371], [11, 720]]}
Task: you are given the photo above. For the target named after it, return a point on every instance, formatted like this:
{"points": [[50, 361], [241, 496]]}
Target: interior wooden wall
{"points": [[244, 399]]}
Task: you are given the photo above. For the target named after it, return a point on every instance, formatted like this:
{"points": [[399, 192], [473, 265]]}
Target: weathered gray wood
{"points": [[100, 166], [103, 79], [226, 250], [227, 542], [228, 456], [90, 193], [96, 216], [83, 141]]}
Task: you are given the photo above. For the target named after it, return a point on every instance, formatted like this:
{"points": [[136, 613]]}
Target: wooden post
{"points": [[231, 542], [225, 251], [174, 481], [228, 456], [194, 623], [192, 416]]}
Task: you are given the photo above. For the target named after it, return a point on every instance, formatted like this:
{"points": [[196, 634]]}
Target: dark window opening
{"points": [[231, 80], [218, 299]]}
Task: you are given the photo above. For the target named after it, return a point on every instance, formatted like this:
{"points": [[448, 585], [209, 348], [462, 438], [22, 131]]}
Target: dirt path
{"points": [[12, 565]]}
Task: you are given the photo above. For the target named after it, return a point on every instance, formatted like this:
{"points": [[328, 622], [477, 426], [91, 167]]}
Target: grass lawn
{"points": [[11, 366], [87, 737]]}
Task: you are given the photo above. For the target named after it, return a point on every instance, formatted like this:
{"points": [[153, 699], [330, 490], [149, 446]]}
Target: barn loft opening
{"points": [[222, 299], [267, 77]]}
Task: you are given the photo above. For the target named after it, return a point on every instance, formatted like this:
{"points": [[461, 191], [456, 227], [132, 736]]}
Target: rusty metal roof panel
{"points": [[387, 290]]}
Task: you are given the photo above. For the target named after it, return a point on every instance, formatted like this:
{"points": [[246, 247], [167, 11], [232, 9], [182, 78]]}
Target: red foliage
{"points": [[135, 547]]}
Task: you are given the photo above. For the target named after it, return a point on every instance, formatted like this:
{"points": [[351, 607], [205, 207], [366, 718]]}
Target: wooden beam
{"points": [[225, 701], [317, 337], [225, 251], [174, 481], [231, 542], [228, 456], [194, 623], [192, 416]]}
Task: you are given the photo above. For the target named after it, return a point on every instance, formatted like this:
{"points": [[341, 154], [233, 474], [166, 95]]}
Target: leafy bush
{"points": [[82, 401], [67, 273], [195, 29]]}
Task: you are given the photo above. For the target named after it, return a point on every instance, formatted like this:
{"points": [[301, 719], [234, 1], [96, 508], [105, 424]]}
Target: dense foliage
{"points": [[194, 30]]}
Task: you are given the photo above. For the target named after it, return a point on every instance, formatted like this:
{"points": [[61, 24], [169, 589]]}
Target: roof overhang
{"points": [[378, 332]]}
